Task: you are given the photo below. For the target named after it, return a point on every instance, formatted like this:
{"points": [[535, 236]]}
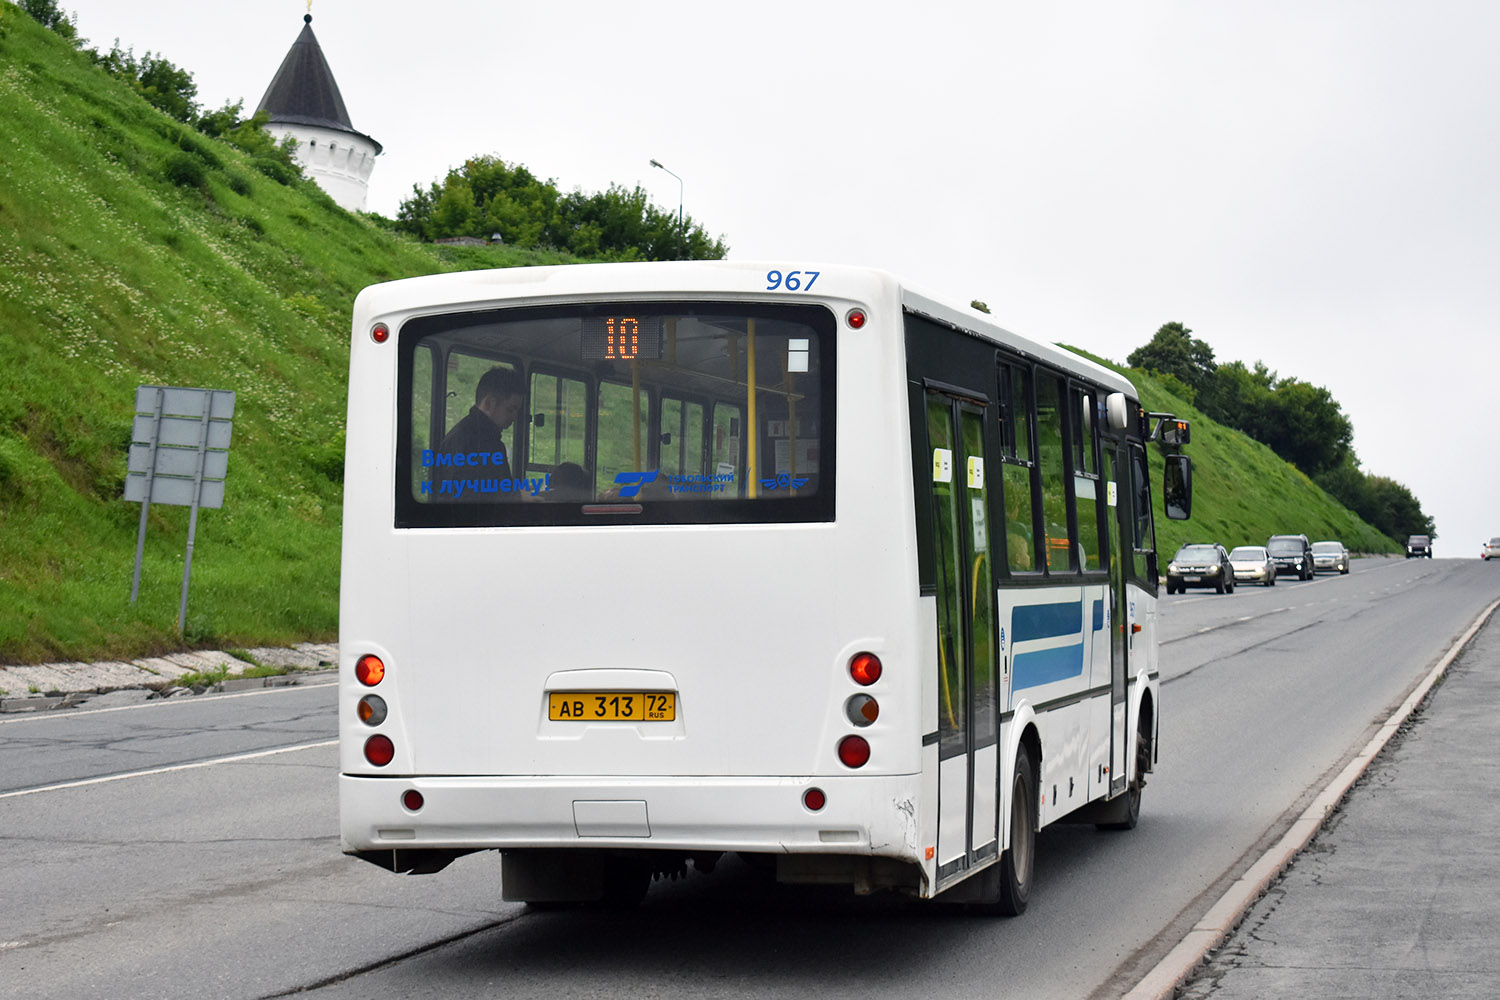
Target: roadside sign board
{"points": [[179, 438], [179, 455]]}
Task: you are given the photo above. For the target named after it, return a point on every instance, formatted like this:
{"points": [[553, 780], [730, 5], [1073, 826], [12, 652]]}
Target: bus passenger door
{"points": [[968, 722], [1119, 496]]}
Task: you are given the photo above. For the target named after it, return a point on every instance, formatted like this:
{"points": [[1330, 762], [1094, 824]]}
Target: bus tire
{"points": [[1018, 863], [1126, 809]]}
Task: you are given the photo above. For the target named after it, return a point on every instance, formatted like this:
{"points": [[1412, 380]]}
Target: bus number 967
{"points": [[792, 281]]}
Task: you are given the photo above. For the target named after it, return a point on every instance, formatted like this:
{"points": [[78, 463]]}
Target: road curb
{"points": [[1216, 925], [62, 685]]}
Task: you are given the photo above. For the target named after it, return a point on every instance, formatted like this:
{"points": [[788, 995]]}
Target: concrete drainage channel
{"points": [[63, 685]]}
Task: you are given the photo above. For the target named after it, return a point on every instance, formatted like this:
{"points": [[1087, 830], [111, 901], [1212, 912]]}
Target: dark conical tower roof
{"points": [[303, 91]]}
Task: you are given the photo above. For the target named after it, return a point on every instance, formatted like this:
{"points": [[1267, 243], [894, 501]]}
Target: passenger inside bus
{"points": [[497, 399], [570, 482]]}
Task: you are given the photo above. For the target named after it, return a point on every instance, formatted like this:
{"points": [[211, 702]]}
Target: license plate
{"points": [[612, 706], [1191, 579]]}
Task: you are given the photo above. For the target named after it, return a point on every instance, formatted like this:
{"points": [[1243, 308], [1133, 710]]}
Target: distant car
{"points": [[1200, 564], [1330, 556], [1490, 549], [1253, 564], [1418, 546], [1292, 554]]}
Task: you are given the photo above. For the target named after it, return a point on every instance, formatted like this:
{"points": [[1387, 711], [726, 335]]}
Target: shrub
{"points": [[185, 170]]}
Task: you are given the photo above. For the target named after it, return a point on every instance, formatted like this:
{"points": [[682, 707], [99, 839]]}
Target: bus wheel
{"points": [[1128, 806], [1017, 864]]}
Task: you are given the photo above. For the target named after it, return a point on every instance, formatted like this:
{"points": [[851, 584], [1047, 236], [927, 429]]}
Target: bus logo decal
{"points": [[784, 481], [631, 482]]}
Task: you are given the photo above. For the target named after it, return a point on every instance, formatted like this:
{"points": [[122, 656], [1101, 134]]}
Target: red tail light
{"points": [[854, 751], [370, 670], [865, 668], [379, 750], [412, 800], [814, 799]]}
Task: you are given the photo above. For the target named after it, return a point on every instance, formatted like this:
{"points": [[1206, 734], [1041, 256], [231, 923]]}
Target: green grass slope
{"points": [[112, 275], [1242, 492]]}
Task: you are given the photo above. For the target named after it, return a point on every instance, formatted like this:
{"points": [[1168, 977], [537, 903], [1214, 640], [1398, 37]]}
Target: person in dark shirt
{"points": [[478, 439]]}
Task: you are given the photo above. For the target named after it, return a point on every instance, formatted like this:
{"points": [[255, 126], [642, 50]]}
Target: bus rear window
{"points": [[635, 412]]}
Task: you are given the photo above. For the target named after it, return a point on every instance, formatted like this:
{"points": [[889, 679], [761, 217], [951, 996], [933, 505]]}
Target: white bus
{"points": [[777, 559]]}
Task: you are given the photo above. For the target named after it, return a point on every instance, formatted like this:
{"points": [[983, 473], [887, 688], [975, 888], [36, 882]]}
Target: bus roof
{"points": [[457, 290]]}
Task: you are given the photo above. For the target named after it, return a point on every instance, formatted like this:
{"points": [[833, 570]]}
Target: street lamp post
{"points": [[657, 164]]}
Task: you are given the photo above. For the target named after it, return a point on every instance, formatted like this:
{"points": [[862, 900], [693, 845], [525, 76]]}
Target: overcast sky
{"points": [[1314, 185]]}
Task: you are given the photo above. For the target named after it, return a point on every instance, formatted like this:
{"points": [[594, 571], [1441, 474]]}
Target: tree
{"points": [[49, 15], [1174, 351], [163, 85], [487, 195], [1397, 512]]}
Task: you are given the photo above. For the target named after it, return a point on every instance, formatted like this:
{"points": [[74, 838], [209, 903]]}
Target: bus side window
{"points": [[1085, 461], [558, 422], [422, 415], [1017, 468], [681, 437], [1143, 529], [1051, 459], [726, 442], [623, 431]]}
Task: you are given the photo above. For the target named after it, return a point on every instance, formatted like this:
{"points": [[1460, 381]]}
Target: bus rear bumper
{"points": [[874, 815]]}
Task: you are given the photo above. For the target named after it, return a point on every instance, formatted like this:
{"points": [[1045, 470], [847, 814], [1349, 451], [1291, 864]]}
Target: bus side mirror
{"points": [[1177, 487], [539, 419], [1175, 433]]}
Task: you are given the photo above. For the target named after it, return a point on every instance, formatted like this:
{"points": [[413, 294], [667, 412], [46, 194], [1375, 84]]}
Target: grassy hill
{"points": [[113, 275], [1242, 492]]}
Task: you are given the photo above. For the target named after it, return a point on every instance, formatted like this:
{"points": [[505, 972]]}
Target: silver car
{"points": [[1490, 549], [1330, 556], [1253, 564]]}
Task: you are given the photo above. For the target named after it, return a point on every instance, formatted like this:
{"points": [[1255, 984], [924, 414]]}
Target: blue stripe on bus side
{"points": [[1098, 615], [1046, 665], [1046, 621]]}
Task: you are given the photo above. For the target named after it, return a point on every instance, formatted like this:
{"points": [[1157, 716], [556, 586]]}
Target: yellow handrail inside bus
{"points": [[635, 411], [947, 688]]}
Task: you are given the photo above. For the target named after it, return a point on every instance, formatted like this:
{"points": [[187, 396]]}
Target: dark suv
{"points": [[1200, 564], [1292, 554], [1419, 545]]}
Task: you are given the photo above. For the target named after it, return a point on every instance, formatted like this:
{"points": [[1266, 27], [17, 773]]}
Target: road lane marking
{"points": [[237, 758]]}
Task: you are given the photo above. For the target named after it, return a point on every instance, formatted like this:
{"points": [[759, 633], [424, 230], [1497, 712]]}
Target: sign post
{"points": [[179, 455]]}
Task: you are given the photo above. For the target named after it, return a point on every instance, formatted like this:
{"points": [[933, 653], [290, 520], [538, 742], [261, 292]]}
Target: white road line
{"points": [[237, 758], [55, 714]]}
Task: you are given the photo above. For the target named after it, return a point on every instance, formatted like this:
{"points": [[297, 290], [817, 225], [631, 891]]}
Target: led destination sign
{"points": [[621, 338]]}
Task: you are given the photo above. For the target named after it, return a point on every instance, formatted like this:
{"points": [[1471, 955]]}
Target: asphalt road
{"points": [[189, 848]]}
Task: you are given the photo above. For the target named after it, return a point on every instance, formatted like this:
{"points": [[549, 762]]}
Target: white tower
{"points": [[304, 103]]}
